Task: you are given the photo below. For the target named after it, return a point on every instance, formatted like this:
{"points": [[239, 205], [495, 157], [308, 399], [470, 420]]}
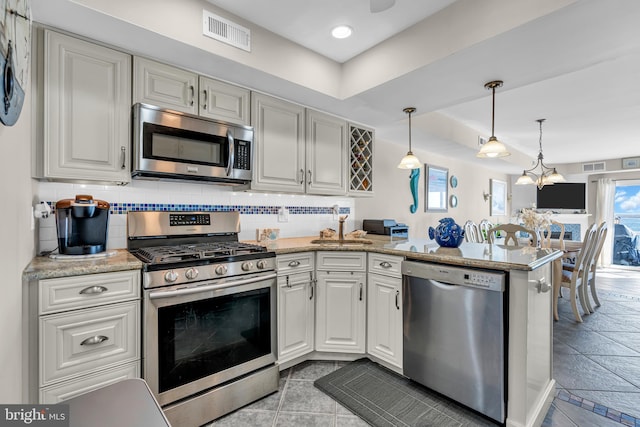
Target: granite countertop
{"points": [[43, 267], [480, 255]]}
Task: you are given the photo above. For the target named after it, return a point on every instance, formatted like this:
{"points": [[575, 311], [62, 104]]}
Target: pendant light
{"points": [[493, 147], [409, 161], [547, 175]]}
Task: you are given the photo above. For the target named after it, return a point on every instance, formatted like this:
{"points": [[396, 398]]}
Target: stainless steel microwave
{"points": [[168, 144]]}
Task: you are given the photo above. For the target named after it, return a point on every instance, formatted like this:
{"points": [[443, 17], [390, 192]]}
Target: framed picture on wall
{"points": [[436, 189], [498, 197]]}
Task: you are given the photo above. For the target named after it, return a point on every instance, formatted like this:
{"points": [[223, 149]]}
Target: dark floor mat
{"points": [[385, 399]]}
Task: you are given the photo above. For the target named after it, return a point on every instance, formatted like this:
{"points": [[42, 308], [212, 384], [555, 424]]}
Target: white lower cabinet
{"points": [[384, 319], [86, 334], [296, 311], [296, 305], [341, 302]]}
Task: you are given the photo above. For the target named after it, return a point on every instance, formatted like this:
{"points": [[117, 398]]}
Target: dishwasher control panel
{"points": [[481, 279], [450, 275]]}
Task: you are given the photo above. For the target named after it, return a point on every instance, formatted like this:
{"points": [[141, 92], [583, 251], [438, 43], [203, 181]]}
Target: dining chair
{"points": [[510, 231], [590, 273], [471, 232], [573, 276], [545, 236], [483, 227]]}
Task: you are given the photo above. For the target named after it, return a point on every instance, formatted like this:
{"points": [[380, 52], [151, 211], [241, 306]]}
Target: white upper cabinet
{"points": [[86, 96], [297, 150], [165, 86], [326, 154], [222, 101], [170, 87], [278, 163]]}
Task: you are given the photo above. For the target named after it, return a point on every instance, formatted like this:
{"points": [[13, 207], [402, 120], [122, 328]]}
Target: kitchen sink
{"points": [[342, 242]]}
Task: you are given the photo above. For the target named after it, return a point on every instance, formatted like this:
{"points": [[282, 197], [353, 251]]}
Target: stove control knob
{"points": [[170, 276], [191, 273], [247, 265], [221, 270], [262, 264]]}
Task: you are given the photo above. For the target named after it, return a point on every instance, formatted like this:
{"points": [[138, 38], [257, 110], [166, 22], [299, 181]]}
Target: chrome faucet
{"points": [[341, 227]]}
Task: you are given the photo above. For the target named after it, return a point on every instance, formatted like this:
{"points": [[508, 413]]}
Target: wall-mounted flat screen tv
{"points": [[563, 195]]}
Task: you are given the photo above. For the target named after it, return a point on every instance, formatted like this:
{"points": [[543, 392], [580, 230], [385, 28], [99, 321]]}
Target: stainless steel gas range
{"points": [[209, 313]]}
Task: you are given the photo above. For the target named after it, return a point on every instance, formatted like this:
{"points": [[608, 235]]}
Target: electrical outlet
{"points": [[283, 214]]}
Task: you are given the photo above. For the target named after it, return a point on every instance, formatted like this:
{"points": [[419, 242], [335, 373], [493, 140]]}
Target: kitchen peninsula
{"points": [[528, 352]]}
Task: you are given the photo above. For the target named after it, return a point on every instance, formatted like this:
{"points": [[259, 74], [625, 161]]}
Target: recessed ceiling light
{"points": [[341, 31]]}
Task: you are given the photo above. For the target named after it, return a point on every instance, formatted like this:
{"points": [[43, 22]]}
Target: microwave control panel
{"points": [[243, 155]]}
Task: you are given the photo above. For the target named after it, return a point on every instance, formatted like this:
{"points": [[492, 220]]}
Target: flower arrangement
{"points": [[534, 220]]}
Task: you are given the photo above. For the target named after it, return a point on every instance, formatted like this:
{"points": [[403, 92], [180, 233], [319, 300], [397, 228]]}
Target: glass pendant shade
{"points": [[409, 161], [556, 177], [493, 148], [524, 179]]}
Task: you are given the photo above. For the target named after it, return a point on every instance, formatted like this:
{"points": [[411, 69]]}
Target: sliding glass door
{"points": [[626, 239]]}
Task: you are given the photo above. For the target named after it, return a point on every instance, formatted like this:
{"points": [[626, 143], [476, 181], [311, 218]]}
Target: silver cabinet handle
{"points": [[123, 155], [96, 339], [385, 264], [360, 298], [309, 172], [542, 285], [232, 153], [397, 297], [301, 176], [294, 263], [205, 93], [288, 284], [311, 285], [92, 290], [193, 94]]}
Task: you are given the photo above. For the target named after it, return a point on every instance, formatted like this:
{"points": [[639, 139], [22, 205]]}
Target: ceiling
{"points": [[577, 67], [575, 63]]}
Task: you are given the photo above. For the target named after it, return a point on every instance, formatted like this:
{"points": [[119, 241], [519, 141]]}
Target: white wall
{"points": [[16, 248], [393, 196]]}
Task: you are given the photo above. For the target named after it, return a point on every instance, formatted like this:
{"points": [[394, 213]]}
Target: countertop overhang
{"points": [[478, 255]]}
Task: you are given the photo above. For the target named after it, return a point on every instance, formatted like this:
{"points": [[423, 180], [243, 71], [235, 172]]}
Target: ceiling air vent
{"points": [[223, 30], [593, 167]]}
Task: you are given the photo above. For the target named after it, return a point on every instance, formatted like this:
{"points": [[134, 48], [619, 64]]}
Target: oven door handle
{"points": [[205, 288]]}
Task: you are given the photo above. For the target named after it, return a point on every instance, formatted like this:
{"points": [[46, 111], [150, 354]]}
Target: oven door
{"points": [[198, 337]]}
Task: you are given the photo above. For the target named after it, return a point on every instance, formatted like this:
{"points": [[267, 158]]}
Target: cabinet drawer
{"points": [[68, 293], [341, 261], [295, 279], [69, 389], [388, 265], [75, 343], [293, 263]]}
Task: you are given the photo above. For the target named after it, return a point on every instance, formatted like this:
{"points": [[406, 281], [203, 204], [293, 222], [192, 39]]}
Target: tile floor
{"points": [[596, 366]]}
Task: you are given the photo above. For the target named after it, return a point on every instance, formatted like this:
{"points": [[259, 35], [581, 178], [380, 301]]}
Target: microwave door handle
{"points": [[232, 153]]}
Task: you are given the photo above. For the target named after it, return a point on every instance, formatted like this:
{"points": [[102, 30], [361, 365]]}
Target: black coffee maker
{"points": [[82, 225]]}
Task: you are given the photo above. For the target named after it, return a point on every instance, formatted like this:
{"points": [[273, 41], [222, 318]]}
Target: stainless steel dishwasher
{"points": [[454, 333]]}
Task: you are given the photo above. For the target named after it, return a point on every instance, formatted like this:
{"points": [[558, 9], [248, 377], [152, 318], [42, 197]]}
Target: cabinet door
{"points": [[87, 103], [164, 86], [296, 308], [340, 308], [223, 101], [326, 154], [384, 318], [278, 163]]}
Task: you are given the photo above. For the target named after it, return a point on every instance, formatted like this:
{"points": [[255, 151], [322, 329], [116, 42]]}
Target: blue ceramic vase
{"points": [[447, 234]]}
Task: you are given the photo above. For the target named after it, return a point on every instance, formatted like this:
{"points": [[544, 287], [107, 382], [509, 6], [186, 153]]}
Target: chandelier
{"points": [[546, 176], [409, 161]]}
